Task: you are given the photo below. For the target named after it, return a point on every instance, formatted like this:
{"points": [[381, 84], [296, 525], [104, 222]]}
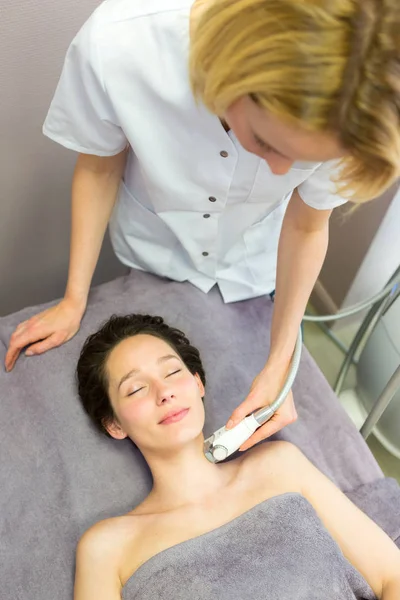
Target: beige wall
{"points": [[35, 174], [350, 238]]}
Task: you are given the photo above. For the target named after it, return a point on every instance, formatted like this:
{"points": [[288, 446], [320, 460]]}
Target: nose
{"points": [[278, 165], [164, 393]]}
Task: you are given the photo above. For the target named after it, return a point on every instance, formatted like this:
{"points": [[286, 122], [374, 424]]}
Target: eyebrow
{"points": [[161, 360]]}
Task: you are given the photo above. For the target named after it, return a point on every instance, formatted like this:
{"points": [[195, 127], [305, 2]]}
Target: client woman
{"points": [[264, 526]]}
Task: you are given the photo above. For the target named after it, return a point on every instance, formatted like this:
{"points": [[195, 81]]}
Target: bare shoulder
{"points": [[99, 559], [277, 463], [283, 452], [109, 538]]}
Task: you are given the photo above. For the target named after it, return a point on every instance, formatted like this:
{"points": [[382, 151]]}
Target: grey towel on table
{"points": [[278, 550]]}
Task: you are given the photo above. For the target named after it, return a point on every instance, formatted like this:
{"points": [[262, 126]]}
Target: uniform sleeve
{"points": [[319, 191], [81, 116]]}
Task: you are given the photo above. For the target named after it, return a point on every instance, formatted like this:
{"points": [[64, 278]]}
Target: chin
{"points": [[186, 435], [182, 436]]}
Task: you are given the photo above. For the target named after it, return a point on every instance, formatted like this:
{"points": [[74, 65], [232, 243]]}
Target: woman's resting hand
{"points": [[46, 330]]}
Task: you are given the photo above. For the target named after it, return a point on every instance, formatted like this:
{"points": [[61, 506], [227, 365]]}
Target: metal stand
{"points": [[365, 330], [369, 323], [367, 326], [381, 404]]}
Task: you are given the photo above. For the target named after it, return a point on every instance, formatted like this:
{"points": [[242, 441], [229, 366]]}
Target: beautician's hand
{"points": [[44, 331], [264, 390]]}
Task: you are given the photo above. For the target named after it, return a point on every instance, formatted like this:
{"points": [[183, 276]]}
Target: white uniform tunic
{"points": [[194, 205]]}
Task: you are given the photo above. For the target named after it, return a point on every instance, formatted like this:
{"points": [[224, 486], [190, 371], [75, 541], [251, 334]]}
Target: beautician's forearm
{"points": [[301, 254], [94, 191]]}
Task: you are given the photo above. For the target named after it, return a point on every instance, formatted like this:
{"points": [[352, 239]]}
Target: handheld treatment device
{"points": [[225, 442]]}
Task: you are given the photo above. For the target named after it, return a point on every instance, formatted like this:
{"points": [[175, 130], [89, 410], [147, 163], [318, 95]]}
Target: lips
{"points": [[173, 416]]}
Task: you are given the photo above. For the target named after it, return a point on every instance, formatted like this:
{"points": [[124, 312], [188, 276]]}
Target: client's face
{"points": [[157, 401]]}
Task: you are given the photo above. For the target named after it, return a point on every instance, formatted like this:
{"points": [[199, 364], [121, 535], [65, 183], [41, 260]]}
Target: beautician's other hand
{"points": [[46, 330], [264, 390]]}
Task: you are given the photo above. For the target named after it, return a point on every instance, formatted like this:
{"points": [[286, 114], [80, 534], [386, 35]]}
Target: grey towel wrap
{"points": [[278, 550]]}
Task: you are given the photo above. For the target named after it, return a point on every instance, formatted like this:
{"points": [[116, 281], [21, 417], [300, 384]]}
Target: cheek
{"points": [[134, 411], [187, 388], [236, 121]]}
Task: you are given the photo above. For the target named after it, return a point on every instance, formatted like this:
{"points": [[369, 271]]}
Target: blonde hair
{"points": [[327, 65]]}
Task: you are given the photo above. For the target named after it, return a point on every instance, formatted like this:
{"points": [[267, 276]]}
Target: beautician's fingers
{"points": [[53, 341], [18, 341], [261, 434], [264, 389], [284, 416], [44, 331], [251, 404], [265, 432]]}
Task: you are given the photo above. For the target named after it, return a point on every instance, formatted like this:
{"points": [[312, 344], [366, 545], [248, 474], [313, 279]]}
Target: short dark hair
{"points": [[91, 369]]}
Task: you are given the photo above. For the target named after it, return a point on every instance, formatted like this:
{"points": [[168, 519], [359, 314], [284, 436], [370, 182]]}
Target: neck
{"points": [[185, 476]]}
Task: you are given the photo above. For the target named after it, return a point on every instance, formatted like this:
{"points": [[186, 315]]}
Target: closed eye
{"points": [[136, 391], [139, 389], [174, 373]]}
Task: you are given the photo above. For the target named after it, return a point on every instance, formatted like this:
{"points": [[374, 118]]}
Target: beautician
{"points": [[215, 138]]}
